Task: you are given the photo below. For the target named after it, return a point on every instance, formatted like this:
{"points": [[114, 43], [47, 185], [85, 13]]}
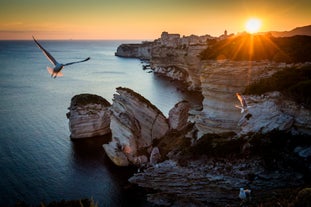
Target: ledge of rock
{"points": [[221, 80], [178, 116], [211, 171], [89, 116], [272, 111]]}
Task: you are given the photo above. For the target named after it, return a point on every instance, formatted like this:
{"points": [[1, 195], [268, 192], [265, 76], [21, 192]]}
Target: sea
{"points": [[39, 163]]}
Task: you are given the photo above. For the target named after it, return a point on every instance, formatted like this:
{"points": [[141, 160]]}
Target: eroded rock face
{"points": [[214, 182], [135, 123], [142, 51], [179, 62], [272, 111], [221, 80], [171, 56], [89, 116], [155, 156], [178, 116]]}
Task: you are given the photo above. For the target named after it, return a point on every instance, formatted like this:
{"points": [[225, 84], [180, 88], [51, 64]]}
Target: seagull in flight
{"points": [[243, 106], [56, 71]]}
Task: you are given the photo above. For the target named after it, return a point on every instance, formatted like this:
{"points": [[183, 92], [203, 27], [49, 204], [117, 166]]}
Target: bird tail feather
{"points": [[51, 72], [240, 107]]}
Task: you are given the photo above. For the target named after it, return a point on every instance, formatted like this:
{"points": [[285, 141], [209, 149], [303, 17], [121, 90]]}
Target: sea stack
{"points": [[89, 116], [135, 124]]}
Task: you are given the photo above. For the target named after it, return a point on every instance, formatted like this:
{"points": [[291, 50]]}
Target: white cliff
{"points": [[135, 124], [89, 116], [273, 111], [171, 56], [178, 57], [141, 51], [221, 80]]}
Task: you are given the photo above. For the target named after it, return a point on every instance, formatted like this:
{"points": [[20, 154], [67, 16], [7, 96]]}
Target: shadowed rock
{"points": [[178, 115], [89, 116], [135, 124]]}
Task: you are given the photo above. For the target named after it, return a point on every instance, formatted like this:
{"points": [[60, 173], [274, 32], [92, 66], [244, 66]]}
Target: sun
{"points": [[253, 25]]}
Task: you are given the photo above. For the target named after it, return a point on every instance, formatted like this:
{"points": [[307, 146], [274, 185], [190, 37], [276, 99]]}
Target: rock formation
{"points": [[272, 111], [212, 170], [178, 116], [89, 116], [155, 156], [221, 80], [135, 124], [178, 58], [141, 51], [210, 183], [206, 170], [171, 55]]}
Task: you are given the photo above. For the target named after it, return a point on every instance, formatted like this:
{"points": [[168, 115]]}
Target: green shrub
{"points": [[292, 82], [260, 47]]}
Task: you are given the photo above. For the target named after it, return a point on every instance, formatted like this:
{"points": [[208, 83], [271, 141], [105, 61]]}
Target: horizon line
{"points": [[72, 39]]}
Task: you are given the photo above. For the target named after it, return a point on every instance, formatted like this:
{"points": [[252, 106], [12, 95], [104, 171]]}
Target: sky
{"points": [[144, 19]]}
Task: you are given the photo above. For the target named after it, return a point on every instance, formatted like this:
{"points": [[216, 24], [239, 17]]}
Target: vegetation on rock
{"points": [[84, 99], [292, 82], [260, 47]]}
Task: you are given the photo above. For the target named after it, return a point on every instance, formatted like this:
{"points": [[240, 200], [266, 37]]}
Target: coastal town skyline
{"points": [[144, 20]]}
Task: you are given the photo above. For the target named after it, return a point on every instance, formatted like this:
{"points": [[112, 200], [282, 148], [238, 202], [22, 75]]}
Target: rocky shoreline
{"points": [[203, 157]]}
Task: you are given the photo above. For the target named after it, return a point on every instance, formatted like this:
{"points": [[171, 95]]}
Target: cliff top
{"points": [[140, 97], [84, 99]]}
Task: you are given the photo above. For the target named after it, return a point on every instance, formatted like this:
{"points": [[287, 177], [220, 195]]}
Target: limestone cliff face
{"points": [[221, 80], [178, 58], [272, 111], [135, 123], [172, 56], [212, 182], [89, 116], [178, 61], [141, 51], [178, 116]]}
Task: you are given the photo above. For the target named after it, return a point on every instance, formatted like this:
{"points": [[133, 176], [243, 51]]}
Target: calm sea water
{"points": [[38, 161]]}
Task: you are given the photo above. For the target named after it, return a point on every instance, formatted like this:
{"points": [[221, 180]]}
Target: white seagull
{"points": [[244, 194], [56, 71], [243, 106]]}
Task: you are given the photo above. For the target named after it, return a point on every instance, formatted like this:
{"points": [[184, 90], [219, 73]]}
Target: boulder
{"points": [[178, 116], [155, 156], [89, 116]]}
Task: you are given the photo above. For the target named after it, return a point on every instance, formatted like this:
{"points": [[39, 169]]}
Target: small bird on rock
{"points": [[245, 194]]}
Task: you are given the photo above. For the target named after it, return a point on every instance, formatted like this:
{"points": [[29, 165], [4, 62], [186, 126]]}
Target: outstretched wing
{"points": [[241, 99], [46, 53], [77, 61]]}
